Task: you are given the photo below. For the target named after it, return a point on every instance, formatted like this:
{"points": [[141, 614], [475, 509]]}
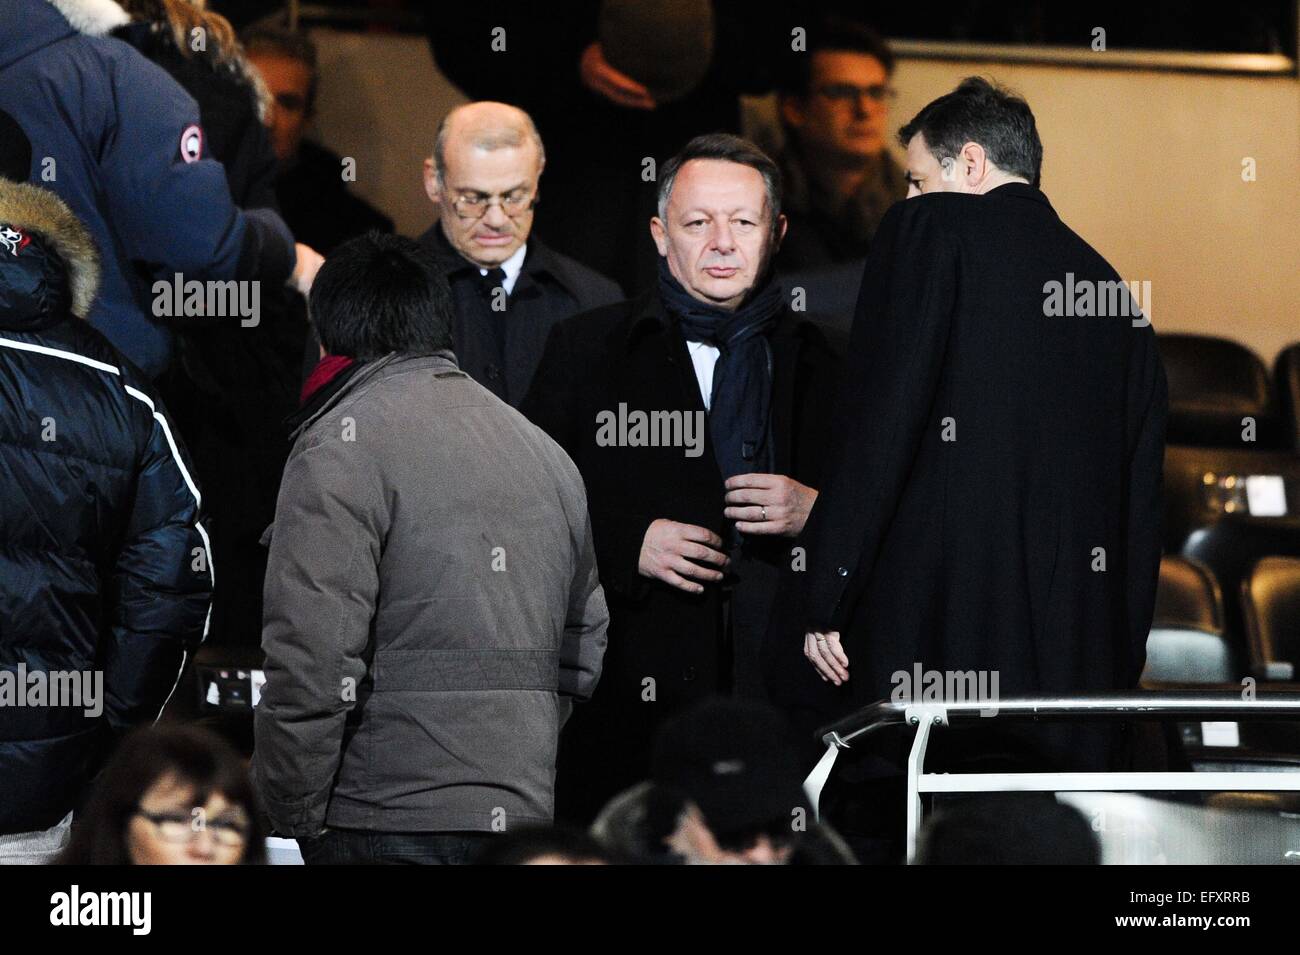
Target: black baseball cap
{"points": [[735, 760]]}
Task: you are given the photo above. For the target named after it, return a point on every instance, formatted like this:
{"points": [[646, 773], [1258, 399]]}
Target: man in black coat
{"points": [[697, 415], [993, 498], [508, 288]]}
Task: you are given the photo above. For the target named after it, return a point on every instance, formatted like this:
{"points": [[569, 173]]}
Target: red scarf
{"points": [[325, 371]]}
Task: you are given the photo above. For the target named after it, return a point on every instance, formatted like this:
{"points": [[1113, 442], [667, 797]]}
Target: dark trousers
{"points": [[359, 847]]}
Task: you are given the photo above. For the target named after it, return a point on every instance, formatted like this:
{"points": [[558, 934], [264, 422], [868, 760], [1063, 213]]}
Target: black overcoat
{"points": [[551, 287], [992, 499], [632, 354]]}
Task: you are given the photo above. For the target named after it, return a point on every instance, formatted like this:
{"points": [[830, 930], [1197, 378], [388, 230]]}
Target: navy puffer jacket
{"points": [[105, 575], [119, 140]]}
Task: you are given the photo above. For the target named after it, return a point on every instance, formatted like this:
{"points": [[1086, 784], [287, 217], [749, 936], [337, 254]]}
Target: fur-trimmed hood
{"points": [[101, 18], [92, 17], [38, 288]]}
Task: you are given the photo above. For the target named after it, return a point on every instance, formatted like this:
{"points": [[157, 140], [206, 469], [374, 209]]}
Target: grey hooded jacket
{"points": [[432, 609]]}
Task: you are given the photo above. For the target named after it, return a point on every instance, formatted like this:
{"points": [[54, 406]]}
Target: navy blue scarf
{"points": [[740, 419]]}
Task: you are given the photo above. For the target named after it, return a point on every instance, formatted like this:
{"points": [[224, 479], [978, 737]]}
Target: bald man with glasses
{"points": [[509, 288]]}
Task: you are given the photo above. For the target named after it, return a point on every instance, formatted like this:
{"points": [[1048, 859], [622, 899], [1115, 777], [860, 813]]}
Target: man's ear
{"points": [[774, 243], [791, 112], [431, 187], [659, 234], [774, 239], [973, 165]]}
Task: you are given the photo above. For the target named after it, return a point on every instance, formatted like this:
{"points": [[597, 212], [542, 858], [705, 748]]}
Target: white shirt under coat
{"points": [[512, 267], [704, 358]]}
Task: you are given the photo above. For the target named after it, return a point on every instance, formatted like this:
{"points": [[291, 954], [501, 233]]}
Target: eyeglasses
{"points": [[182, 827], [847, 93], [474, 205]]}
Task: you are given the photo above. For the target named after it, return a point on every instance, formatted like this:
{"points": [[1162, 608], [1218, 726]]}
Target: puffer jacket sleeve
{"points": [[163, 575], [583, 647], [322, 585], [189, 223]]}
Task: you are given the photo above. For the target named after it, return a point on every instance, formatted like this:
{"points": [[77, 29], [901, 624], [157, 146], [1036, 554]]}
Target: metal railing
{"points": [[1161, 705]]}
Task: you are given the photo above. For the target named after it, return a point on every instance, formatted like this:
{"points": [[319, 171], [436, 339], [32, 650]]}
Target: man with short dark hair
{"points": [[696, 414], [840, 177], [993, 505], [432, 604], [941, 156]]}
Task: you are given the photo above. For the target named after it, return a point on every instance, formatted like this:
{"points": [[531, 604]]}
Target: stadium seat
{"points": [[1286, 378], [1213, 384], [1187, 643], [1270, 599], [1188, 597], [1231, 547], [1189, 646]]}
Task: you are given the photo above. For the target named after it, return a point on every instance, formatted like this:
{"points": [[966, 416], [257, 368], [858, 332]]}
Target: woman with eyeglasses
{"points": [[171, 795]]}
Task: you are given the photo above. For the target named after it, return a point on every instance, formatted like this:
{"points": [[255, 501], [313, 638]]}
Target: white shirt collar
{"points": [[512, 267]]}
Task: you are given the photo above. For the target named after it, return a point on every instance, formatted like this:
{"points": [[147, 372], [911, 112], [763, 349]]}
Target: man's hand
{"points": [[305, 267], [617, 87], [827, 656], [768, 504], [669, 552]]}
